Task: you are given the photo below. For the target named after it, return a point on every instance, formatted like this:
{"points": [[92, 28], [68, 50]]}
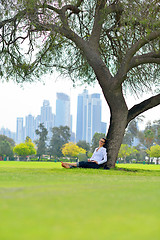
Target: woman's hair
{"points": [[105, 144]]}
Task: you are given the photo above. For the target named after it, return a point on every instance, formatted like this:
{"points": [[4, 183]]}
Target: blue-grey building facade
{"points": [[88, 116], [30, 127], [47, 117], [63, 116], [37, 122], [20, 130], [8, 133]]}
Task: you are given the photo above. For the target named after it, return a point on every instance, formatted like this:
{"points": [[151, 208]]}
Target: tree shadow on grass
{"points": [[135, 170]]}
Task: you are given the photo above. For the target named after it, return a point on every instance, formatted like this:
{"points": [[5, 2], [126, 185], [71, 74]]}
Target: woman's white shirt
{"points": [[99, 155]]}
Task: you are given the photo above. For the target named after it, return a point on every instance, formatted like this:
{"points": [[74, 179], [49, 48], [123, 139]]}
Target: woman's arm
{"points": [[104, 159], [89, 160]]}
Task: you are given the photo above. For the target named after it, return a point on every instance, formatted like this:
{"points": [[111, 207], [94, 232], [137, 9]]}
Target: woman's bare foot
{"points": [[65, 165]]}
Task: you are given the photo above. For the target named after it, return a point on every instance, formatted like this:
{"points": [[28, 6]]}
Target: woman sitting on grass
{"points": [[96, 161]]}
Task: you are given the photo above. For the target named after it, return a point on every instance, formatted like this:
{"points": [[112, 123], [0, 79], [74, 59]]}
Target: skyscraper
{"points": [[80, 117], [103, 127], [63, 117], [8, 133], [20, 131], [37, 121], [47, 117], [94, 115], [88, 116], [29, 127]]}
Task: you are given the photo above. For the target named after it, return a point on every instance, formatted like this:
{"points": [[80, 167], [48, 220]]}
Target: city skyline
{"points": [[92, 123], [20, 100], [28, 127]]}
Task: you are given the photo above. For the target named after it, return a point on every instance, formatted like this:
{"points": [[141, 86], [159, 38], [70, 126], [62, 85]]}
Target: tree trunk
{"points": [[115, 137], [118, 121], [112, 90]]}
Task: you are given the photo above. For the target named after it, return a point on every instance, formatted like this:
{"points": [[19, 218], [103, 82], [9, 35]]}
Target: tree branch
{"points": [[72, 8], [141, 43], [142, 107], [125, 65], [19, 14], [97, 26], [51, 8], [79, 2], [115, 7], [153, 57]]}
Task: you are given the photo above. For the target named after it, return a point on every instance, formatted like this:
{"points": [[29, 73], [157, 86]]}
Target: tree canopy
{"points": [[125, 151], [83, 144], [41, 142], [154, 151], [60, 136], [31, 146], [115, 42], [25, 149], [5, 138], [150, 135], [6, 149], [37, 35], [72, 150]]}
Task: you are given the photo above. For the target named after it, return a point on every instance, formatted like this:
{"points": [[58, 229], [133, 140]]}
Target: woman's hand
{"points": [[92, 161], [95, 162]]}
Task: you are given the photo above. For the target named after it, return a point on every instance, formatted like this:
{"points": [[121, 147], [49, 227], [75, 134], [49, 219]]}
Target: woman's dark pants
{"points": [[84, 164]]}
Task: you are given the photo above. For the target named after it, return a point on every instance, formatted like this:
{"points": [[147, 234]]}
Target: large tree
{"points": [[83, 144], [25, 149], [131, 132], [5, 138], [72, 150], [154, 151], [156, 129], [60, 136], [6, 149], [116, 42], [42, 140]]}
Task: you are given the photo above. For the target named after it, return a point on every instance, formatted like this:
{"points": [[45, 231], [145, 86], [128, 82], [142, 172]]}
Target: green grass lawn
{"points": [[42, 201]]}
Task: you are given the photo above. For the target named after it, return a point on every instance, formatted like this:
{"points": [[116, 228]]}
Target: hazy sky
{"points": [[17, 101]]}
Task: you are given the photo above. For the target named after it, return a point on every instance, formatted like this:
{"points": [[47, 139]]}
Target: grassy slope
{"points": [[43, 201]]}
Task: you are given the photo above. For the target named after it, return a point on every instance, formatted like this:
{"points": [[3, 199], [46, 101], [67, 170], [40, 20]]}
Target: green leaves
{"points": [[41, 142], [35, 39], [60, 136], [125, 151], [154, 151], [24, 149], [72, 150], [5, 148]]}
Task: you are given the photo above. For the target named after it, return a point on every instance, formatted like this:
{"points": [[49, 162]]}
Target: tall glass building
{"points": [[37, 122], [80, 116], [20, 131], [8, 133], [88, 116], [29, 127], [47, 117], [63, 116]]}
